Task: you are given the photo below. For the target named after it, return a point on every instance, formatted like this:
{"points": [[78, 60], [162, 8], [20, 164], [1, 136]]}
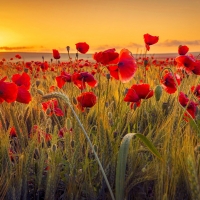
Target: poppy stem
{"points": [[16, 125], [66, 100], [145, 64], [3, 122]]}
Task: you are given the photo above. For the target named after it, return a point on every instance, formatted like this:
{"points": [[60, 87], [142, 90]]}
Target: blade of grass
{"points": [[122, 159]]}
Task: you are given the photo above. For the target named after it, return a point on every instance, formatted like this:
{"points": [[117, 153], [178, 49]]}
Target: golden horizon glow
{"points": [[36, 26]]}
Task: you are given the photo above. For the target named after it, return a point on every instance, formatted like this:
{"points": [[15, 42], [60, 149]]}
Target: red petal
{"points": [[143, 90], [82, 47], [23, 95], [127, 66], [182, 50], [131, 96], [8, 91], [60, 81]]}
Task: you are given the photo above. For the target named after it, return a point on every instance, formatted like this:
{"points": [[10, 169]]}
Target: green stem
{"points": [[16, 124]]}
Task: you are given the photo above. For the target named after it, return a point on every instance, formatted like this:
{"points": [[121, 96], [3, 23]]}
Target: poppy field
{"points": [[117, 126]]}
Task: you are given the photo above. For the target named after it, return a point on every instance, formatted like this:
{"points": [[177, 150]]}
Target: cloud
{"points": [[16, 48], [135, 45], [172, 43], [104, 47], [130, 45]]}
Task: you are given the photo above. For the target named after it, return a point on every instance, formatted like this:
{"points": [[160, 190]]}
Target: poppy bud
{"points": [[54, 148], [109, 115], [68, 48], [77, 55], [68, 124], [72, 143], [26, 70], [115, 134], [126, 90], [144, 169], [74, 100], [165, 108], [108, 76], [37, 83], [145, 62], [158, 92], [42, 116], [134, 106], [20, 117], [40, 92], [48, 111]]}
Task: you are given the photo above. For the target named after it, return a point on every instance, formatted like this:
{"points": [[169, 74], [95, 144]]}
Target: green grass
{"points": [[73, 171]]}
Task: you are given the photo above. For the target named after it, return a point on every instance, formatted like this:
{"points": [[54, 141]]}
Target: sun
{"points": [[4, 40], [8, 38]]}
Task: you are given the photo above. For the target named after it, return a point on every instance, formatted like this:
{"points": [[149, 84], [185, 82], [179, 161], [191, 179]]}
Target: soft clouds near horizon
{"points": [[169, 45], [15, 48], [173, 43]]}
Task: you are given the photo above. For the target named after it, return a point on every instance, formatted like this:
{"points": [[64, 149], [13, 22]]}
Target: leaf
{"points": [[122, 159]]}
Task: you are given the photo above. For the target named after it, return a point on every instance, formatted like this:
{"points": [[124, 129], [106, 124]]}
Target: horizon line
{"points": [[89, 53]]}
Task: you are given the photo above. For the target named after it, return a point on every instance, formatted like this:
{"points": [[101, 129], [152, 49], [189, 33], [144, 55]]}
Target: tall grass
{"points": [[66, 167]]}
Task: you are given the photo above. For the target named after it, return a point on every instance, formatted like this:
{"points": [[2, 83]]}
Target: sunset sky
{"points": [[37, 25]]}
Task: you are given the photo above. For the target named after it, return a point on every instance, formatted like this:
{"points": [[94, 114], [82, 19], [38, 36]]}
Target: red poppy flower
{"points": [[44, 66], [196, 69], [191, 106], [183, 99], [13, 132], [138, 92], [56, 54], [29, 65], [186, 63], [52, 106], [192, 109], [23, 79], [125, 68], [182, 50], [23, 95], [196, 91], [8, 91], [86, 100], [169, 83], [150, 40], [18, 56], [131, 96], [82, 47], [106, 56], [143, 90], [62, 79], [81, 78]]}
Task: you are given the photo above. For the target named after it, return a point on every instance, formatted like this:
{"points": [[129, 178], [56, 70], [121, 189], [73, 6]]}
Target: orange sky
{"points": [[28, 25]]}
